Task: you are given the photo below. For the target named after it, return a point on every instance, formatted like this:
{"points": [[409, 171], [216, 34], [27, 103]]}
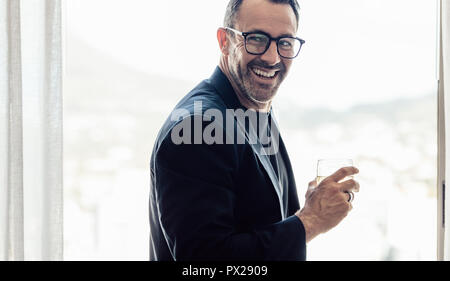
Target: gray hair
{"points": [[233, 9]]}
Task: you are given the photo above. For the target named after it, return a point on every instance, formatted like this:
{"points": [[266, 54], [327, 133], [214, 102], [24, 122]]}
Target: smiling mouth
{"points": [[265, 74]]}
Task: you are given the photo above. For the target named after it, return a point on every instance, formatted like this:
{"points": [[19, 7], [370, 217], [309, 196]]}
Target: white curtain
{"points": [[30, 130], [444, 93]]}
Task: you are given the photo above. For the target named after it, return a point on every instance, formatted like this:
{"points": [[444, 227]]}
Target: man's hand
{"points": [[327, 204]]}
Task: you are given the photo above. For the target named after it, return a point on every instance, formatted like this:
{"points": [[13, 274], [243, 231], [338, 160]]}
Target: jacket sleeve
{"points": [[196, 199]]}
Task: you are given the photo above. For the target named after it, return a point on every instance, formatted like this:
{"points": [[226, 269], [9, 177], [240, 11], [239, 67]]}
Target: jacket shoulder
{"points": [[203, 103]]}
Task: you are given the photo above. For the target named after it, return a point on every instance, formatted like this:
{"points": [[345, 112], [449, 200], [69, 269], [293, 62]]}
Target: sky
{"points": [[356, 51]]}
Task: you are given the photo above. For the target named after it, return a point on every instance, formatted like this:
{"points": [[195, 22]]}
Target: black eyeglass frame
{"points": [[277, 40]]}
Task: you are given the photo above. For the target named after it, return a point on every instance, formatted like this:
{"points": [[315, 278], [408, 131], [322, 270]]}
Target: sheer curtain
{"points": [[30, 130], [444, 95]]}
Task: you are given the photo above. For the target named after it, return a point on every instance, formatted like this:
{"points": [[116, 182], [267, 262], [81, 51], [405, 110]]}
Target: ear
{"points": [[222, 39]]}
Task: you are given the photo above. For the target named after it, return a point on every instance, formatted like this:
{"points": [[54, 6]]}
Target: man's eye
{"points": [[285, 44], [257, 39]]}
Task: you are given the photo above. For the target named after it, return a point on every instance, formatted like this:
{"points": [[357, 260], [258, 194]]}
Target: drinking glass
{"points": [[327, 167]]}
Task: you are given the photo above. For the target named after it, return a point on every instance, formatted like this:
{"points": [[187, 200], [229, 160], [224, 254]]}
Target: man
{"points": [[216, 197]]}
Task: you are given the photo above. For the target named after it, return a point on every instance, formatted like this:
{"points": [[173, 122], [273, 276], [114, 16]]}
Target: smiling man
{"points": [[255, 64], [217, 192]]}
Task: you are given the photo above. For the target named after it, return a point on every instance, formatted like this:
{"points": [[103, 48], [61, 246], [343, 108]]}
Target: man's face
{"points": [[250, 72]]}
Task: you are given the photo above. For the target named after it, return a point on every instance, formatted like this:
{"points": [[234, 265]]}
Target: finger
{"points": [[349, 185], [342, 173], [347, 204]]}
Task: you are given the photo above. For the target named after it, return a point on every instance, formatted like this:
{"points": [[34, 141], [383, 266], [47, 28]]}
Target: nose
{"points": [[271, 55]]}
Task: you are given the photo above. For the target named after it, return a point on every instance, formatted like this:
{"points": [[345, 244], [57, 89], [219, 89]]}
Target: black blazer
{"points": [[220, 201]]}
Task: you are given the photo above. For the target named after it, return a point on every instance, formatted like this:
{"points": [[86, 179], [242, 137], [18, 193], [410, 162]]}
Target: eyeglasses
{"points": [[257, 43]]}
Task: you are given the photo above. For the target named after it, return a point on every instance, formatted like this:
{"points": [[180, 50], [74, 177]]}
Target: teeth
{"points": [[263, 73]]}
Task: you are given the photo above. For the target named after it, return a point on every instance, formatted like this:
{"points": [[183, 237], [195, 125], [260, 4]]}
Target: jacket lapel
{"points": [[261, 153], [225, 90]]}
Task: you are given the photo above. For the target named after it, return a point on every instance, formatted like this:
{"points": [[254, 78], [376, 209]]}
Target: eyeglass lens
{"points": [[258, 43]]}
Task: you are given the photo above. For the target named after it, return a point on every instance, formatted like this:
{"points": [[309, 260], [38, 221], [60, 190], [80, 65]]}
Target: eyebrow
{"points": [[262, 31]]}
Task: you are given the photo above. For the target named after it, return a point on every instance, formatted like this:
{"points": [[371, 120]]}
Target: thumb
{"points": [[312, 184]]}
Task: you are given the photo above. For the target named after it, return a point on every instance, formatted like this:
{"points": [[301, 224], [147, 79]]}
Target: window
{"points": [[363, 86]]}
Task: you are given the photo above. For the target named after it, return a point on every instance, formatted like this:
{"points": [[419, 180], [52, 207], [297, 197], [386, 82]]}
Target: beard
{"points": [[254, 90]]}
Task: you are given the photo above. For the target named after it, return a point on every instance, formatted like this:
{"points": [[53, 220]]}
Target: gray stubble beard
{"points": [[247, 91]]}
